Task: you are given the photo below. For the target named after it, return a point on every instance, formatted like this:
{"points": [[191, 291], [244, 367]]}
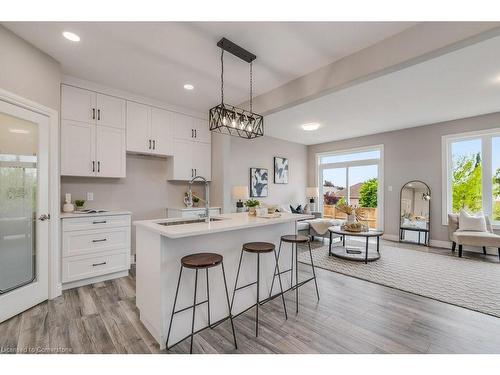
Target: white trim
{"points": [[446, 171], [379, 162], [54, 187]]}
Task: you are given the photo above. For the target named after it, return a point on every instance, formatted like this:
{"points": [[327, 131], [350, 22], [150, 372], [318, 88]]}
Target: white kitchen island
{"points": [[159, 249]]}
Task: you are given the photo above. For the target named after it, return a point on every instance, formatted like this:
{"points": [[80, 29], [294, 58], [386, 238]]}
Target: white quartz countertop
{"points": [[234, 221], [199, 208], [66, 215]]}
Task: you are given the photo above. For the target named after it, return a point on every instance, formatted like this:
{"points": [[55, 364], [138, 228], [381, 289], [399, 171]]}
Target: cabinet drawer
{"points": [[96, 222], [95, 240], [83, 267]]}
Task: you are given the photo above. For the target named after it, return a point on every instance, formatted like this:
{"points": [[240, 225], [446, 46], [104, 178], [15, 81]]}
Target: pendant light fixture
{"points": [[231, 120]]}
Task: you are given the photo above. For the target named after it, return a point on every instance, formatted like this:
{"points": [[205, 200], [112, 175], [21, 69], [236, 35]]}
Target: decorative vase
{"points": [[68, 207], [251, 211]]}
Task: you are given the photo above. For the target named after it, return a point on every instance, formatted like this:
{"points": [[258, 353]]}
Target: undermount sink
{"points": [[188, 221]]}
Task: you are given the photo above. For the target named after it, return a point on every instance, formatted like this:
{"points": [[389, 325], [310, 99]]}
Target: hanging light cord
{"points": [[251, 87], [222, 76]]}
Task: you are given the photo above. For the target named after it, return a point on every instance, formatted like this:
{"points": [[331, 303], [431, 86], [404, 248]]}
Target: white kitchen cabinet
{"points": [[149, 130], [190, 159], [88, 106], [138, 128], [90, 150], [162, 132], [78, 104], [190, 128], [110, 111], [110, 152], [77, 148]]}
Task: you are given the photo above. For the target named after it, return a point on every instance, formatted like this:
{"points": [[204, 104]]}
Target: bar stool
{"points": [[200, 261], [257, 248], [296, 239]]}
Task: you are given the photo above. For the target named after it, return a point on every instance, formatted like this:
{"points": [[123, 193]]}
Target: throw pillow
{"points": [[297, 210], [468, 222]]}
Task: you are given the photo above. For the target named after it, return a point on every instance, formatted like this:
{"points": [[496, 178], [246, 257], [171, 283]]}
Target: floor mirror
{"points": [[415, 213]]}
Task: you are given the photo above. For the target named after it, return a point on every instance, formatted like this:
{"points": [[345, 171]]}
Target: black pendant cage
{"points": [[238, 122]]}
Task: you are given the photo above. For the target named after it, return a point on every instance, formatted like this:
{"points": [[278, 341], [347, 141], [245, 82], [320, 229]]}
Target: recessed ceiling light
{"points": [[188, 86], [71, 36], [19, 131], [310, 126]]}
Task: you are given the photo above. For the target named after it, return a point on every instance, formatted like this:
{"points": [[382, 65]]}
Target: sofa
{"points": [[471, 238]]}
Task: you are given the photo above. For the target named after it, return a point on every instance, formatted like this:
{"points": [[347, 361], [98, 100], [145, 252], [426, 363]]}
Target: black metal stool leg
{"points": [[236, 281], [314, 272], [291, 272], [274, 276], [173, 308], [208, 299], [228, 305], [257, 304], [194, 311], [281, 285], [296, 278]]}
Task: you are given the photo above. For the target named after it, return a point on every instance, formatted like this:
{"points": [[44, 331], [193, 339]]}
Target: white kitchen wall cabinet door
{"points": [[201, 131], [110, 152], [162, 132], [78, 104], [77, 148], [180, 167], [138, 128], [202, 161], [183, 127], [110, 111]]}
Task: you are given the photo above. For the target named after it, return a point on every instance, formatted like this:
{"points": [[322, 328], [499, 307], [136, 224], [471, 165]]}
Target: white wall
{"points": [[27, 71]]}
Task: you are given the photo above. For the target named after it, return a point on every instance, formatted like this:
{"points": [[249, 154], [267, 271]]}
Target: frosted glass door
{"points": [[18, 186]]}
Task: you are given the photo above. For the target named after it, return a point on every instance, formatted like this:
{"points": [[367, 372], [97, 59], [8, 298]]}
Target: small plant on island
{"points": [[252, 203], [79, 203]]}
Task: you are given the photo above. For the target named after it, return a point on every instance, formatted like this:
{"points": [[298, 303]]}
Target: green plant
{"points": [[252, 203], [368, 193], [466, 183], [195, 199], [79, 202]]}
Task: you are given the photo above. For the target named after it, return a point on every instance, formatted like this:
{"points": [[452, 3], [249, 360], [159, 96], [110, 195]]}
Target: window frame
{"points": [[486, 137], [345, 164]]}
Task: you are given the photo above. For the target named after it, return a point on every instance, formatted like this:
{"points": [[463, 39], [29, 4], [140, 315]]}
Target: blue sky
{"points": [[473, 146]]}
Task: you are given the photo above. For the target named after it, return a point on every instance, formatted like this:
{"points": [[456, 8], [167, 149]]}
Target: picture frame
{"points": [[259, 182], [281, 168]]}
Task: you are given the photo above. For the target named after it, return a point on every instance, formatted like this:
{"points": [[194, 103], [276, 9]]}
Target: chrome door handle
{"points": [[44, 217]]}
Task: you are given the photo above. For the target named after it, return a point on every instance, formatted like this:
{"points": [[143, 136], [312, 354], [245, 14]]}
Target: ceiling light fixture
{"points": [[188, 86], [310, 126], [228, 119], [71, 36]]}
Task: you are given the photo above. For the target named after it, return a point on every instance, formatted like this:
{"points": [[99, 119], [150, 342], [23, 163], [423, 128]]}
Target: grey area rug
{"points": [[462, 282]]}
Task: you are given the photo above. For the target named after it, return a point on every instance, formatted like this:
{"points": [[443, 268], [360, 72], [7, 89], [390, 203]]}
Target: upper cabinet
{"points": [[190, 128], [149, 130], [93, 141], [91, 107]]}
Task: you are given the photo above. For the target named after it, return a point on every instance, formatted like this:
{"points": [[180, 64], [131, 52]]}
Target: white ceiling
{"points": [[459, 84], [156, 59]]}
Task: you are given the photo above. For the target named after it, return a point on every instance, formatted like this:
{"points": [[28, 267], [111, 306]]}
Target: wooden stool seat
{"points": [[258, 247], [201, 260], [295, 238]]}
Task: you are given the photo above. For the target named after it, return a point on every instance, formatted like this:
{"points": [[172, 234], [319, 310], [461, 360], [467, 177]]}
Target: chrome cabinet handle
{"points": [[93, 166], [101, 240], [99, 166], [99, 222], [195, 133], [93, 113], [98, 264], [192, 133], [150, 144], [98, 114], [154, 144]]}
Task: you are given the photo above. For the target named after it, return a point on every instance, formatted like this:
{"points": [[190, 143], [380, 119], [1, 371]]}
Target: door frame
{"points": [[55, 286]]}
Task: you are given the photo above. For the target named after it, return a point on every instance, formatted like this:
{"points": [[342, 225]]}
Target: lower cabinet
{"points": [[94, 246]]}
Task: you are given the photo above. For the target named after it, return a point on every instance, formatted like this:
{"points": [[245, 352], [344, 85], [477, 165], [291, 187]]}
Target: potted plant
{"points": [[252, 204], [79, 204], [196, 201]]}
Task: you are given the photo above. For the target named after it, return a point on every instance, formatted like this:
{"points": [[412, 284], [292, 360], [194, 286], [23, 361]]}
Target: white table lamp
{"points": [[238, 193], [312, 193]]}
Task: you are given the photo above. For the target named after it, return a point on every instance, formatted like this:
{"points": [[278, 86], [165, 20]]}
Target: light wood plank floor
{"points": [[353, 316]]}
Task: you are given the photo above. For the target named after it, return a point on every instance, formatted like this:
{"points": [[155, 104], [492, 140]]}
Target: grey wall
{"points": [[260, 152], [409, 154], [27, 71]]}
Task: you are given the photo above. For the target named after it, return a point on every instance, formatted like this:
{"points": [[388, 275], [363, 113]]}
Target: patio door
{"points": [[24, 202]]}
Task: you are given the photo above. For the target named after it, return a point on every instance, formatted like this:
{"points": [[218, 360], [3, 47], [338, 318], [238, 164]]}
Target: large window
{"points": [[471, 178], [352, 177]]}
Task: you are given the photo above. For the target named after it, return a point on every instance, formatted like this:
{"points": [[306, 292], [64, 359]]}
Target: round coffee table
{"points": [[355, 253]]}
